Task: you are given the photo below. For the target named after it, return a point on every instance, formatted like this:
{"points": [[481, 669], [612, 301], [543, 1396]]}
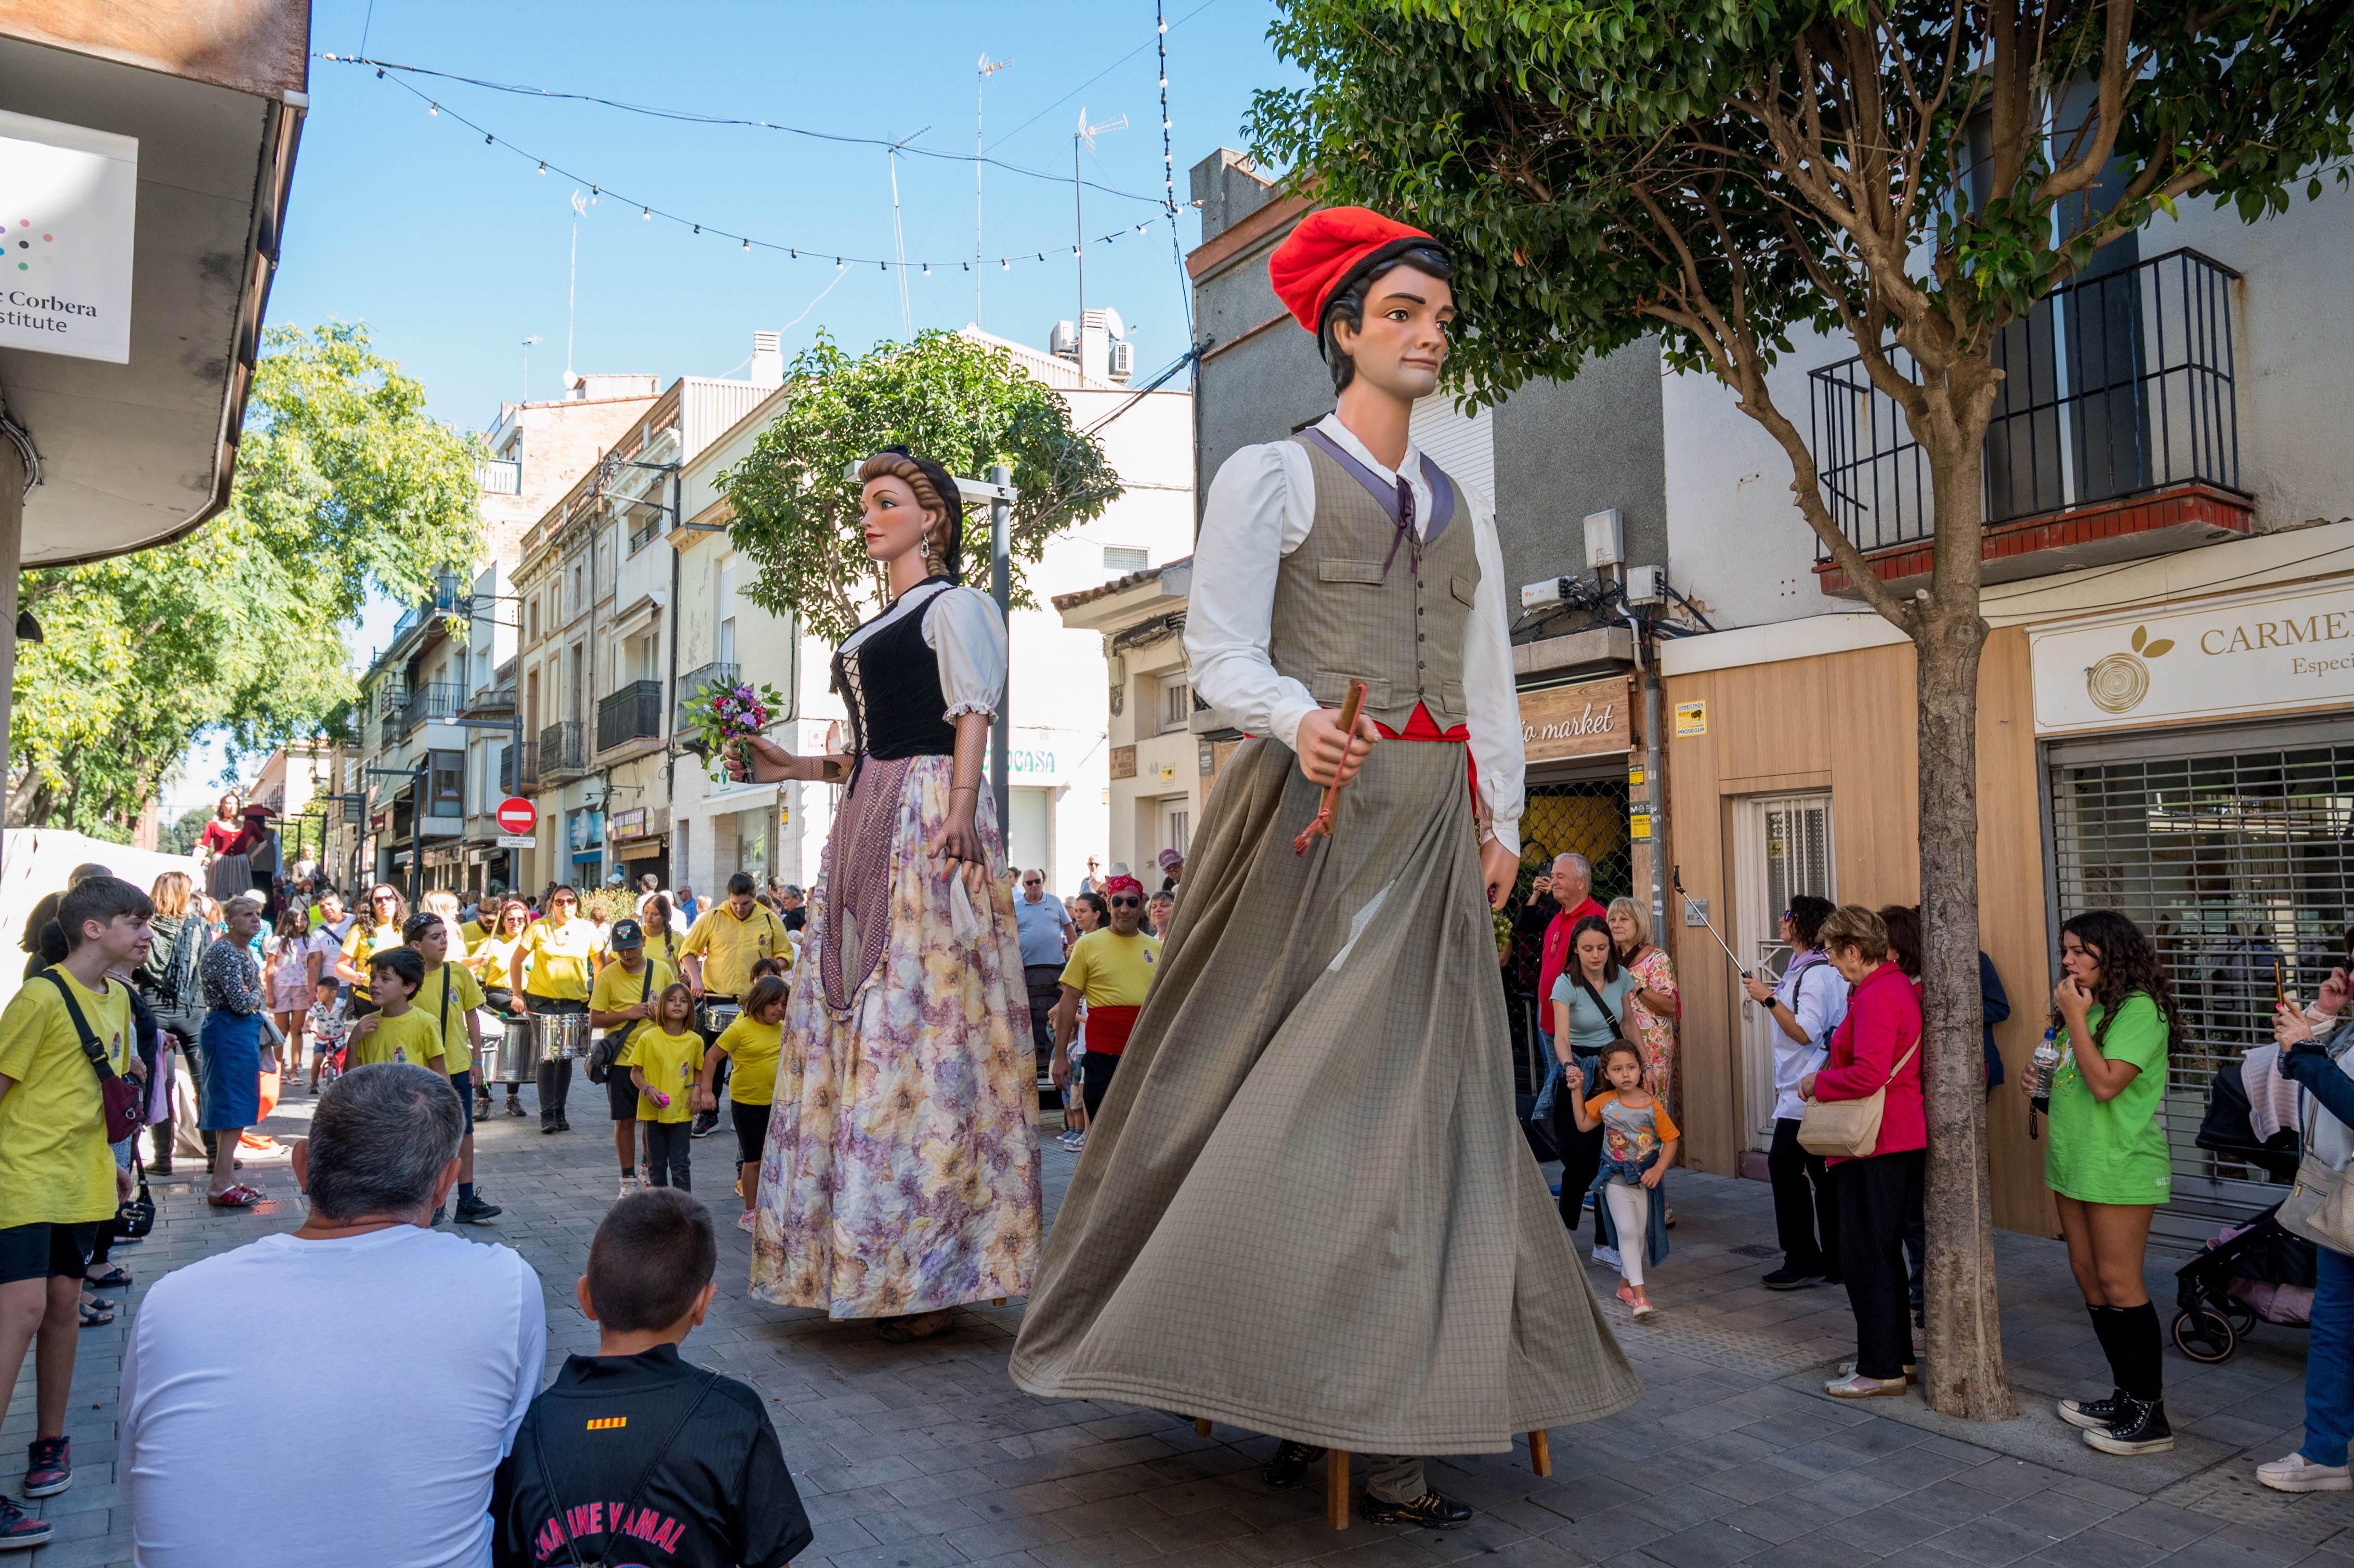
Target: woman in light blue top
{"points": [[1589, 1012]]}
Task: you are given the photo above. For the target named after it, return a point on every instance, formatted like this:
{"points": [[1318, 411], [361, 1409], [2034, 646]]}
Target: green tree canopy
{"points": [[344, 483], [961, 403]]}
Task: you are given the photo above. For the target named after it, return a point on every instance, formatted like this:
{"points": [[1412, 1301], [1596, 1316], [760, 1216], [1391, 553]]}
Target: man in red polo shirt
{"points": [[1572, 889]]}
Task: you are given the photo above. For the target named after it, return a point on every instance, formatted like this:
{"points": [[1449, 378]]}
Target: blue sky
{"points": [[454, 251]]}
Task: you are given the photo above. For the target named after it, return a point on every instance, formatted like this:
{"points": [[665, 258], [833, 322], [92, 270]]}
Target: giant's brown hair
{"points": [[945, 514]]}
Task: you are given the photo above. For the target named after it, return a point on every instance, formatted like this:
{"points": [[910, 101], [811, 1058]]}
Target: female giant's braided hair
{"points": [[2129, 964]]}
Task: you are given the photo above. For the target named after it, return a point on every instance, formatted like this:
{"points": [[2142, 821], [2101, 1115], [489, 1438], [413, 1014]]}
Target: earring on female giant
{"points": [[924, 548]]}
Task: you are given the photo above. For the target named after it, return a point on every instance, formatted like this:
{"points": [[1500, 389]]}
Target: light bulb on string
{"points": [[837, 263], [543, 166], [928, 269], [698, 228], [433, 108], [645, 215], [747, 247], [1004, 265], [489, 141]]}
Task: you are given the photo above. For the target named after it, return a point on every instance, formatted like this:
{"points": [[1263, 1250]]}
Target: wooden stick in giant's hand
{"points": [[1320, 825]]}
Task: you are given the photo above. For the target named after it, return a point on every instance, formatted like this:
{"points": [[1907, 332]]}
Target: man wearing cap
{"points": [[623, 999], [1312, 1128]]}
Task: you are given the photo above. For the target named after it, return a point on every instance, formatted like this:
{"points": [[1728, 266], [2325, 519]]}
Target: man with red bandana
{"points": [[1110, 969], [1312, 1130]]}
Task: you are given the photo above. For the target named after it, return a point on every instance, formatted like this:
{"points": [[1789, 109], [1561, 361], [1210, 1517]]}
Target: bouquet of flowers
{"points": [[725, 711]]}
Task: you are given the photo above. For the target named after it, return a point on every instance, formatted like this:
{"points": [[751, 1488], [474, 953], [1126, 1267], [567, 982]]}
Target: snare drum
{"points": [[561, 1036], [715, 1016], [518, 1060]]}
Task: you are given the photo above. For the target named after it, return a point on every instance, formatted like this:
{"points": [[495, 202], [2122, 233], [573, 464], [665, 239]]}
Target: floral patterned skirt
{"points": [[901, 1169]]}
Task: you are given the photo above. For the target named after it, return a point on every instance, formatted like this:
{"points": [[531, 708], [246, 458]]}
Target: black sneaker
{"points": [[2094, 1415], [563, 1122], [49, 1465], [474, 1211], [1289, 1464], [439, 1213], [1791, 1279], [1429, 1511], [706, 1124], [20, 1528], [2142, 1429]]}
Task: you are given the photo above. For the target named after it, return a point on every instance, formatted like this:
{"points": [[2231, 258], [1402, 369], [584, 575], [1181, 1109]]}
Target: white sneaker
{"points": [[743, 1220], [1608, 1255], [1078, 1142], [629, 1185], [2298, 1474]]}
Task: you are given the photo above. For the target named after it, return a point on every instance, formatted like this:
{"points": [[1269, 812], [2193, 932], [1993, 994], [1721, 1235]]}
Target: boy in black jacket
{"points": [[632, 1455]]}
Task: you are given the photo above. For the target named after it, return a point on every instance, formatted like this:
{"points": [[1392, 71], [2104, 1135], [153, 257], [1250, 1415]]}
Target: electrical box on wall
{"points": [[1606, 539], [1646, 585]]}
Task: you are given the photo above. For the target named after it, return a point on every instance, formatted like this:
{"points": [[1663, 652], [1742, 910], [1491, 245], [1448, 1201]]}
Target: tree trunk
{"points": [[1962, 1370]]}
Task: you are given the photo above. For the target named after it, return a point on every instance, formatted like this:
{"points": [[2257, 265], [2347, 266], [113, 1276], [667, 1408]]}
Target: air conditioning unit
{"points": [[1646, 585], [1123, 360], [1063, 343]]}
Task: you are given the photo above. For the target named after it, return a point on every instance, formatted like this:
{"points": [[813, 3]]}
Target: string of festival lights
{"points": [[649, 212]]}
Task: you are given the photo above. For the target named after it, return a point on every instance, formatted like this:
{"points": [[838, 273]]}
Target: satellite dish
{"points": [[1113, 326]]}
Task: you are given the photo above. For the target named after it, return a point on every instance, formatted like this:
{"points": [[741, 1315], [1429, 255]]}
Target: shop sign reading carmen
{"points": [[2275, 650]]}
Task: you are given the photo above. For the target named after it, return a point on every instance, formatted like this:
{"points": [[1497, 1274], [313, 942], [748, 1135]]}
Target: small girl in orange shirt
{"points": [[1638, 1140]]}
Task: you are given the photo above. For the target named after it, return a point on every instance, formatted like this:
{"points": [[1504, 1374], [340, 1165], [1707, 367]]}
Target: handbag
{"points": [[118, 1095], [2319, 1206], [1848, 1130], [136, 1216], [603, 1054]]}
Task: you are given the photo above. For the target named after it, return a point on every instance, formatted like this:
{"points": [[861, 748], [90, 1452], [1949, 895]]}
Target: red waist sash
{"points": [[1108, 1028], [1420, 725]]}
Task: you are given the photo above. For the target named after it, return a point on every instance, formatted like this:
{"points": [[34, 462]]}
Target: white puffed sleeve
{"points": [[1258, 511], [964, 631]]}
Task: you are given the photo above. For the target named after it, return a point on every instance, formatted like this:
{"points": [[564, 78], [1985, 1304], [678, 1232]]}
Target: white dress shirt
{"points": [[1259, 509], [966, 633]]}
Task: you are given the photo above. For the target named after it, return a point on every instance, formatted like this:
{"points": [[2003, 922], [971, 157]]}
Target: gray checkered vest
{"points": [[1347, 604]]}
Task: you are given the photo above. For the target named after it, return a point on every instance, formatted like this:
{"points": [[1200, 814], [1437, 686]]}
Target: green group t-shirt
{"points": [[2112, 1151]]}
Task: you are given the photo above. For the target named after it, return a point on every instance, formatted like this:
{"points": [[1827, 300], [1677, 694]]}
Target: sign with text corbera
{"points": [[2277, 649], [1590, 719], [67, 196]]}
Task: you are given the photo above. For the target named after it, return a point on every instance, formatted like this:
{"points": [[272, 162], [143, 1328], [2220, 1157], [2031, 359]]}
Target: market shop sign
{"points": [[1590, 719], [2275, 650]]}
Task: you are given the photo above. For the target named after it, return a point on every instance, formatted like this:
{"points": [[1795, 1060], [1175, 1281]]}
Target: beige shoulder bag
{"points": [[1848, 1130], [2320, 1207]]}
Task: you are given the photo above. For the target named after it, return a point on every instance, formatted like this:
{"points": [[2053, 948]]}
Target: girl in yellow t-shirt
{"points": [[755, 1043], [562, 952], [663, 1062], [489, 960], [661, 941]]}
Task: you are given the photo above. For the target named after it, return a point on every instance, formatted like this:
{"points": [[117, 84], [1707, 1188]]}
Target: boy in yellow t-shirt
{"points": [[755, 1043], [664, 1060], [622, 1000], [449, 997], [397, 1030], [58, 1181]]}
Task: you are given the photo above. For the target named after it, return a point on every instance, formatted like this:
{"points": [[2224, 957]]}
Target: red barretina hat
{"points": [[1326, 250]]}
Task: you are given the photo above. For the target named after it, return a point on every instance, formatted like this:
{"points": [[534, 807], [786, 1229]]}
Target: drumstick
{"points": [[1320, 825]]}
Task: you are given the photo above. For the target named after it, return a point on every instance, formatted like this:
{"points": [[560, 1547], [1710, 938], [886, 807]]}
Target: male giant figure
{"points": [[1307, 1208]]}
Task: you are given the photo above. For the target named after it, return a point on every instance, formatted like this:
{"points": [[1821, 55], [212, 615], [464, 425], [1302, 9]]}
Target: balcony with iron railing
{"points": [[437, 703], [690, 684], [633, 714], [509, 778], [560, 750], [2114, 434]]}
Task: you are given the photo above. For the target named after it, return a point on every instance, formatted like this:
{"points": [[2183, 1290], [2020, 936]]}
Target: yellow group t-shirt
{"points": [[617, 989], [560, 960], [755, 1048], [412, 1037], [465, 995], [362, 945], [55, 1167], [672, 1062], [1112, 970], [729, 946], [488, 959], [666, 946]]}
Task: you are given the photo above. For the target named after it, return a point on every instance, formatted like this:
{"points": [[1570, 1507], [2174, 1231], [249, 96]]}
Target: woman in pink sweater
{"points": [[1877, 1045]]}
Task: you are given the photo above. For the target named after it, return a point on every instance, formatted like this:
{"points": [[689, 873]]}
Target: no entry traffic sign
{"points": [[517, 816]]}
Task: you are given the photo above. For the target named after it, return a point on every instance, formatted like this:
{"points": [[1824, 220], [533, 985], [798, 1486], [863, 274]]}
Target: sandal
{"points": [[116, 1277], [237, 1197], [96, 1314]]}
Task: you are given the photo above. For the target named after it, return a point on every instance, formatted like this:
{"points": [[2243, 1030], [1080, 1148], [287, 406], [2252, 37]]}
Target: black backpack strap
{"points": [[445, 1013], [1594, 997], [637, 1493], [89, 1045]]}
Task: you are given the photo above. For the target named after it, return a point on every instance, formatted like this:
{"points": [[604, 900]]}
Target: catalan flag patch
{"points": [[608, 1423]]}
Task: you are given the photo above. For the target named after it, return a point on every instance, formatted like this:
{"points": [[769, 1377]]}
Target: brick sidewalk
{"points": [[923, 1456]]}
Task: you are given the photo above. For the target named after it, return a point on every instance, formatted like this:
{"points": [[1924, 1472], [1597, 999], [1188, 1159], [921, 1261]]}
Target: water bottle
{"points": [[2039, 1074]]}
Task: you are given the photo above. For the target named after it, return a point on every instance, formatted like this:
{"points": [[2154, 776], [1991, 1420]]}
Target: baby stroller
{"points": [[2254, 1271]]}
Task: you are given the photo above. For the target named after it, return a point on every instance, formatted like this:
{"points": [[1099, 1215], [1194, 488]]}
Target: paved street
{"points": [[924, 1455]]}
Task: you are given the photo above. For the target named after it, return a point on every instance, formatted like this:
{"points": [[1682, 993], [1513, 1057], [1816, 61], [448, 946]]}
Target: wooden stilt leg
{"points": [[1201, 1426], [1336, 1488], [997, 1301], [1541, 1453]]}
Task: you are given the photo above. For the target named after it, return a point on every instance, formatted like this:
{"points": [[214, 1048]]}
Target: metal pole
{"points": [[1001, 588], [1656, 787]]}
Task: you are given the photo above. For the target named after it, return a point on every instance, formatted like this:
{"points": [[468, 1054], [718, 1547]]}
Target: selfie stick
{"points": [[1679, 877]]}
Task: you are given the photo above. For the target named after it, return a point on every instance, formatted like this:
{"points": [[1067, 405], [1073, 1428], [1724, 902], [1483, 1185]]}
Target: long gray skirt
{"points": [[1305, 1207]]}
